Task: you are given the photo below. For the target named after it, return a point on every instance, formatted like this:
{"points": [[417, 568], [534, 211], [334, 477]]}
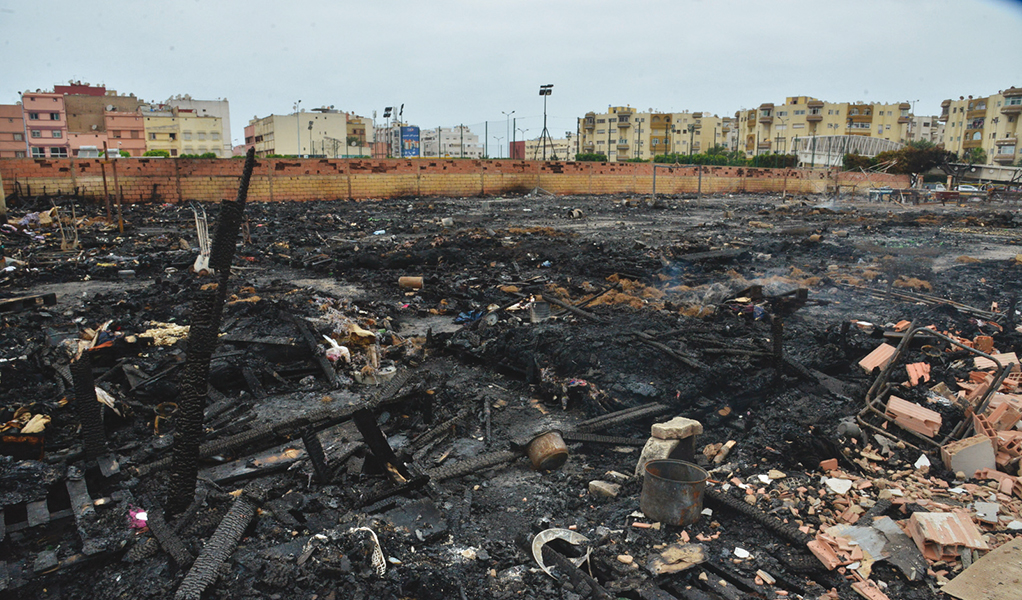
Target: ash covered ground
{"points": [[675, 310]]}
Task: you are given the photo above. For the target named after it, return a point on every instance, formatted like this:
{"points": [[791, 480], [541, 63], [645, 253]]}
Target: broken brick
{"points": [[913, 417], [969, 455], [941, 536], [918, 372], [880, 357]]}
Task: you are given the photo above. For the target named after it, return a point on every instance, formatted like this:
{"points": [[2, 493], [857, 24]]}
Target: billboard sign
{"points": [[409, 142]]}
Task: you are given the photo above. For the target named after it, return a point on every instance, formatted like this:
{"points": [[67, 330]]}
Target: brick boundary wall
{"points": [[182, 180]]}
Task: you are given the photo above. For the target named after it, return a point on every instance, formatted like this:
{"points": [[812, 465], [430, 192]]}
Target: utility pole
{"points": [[486, 136], [461, 128]]}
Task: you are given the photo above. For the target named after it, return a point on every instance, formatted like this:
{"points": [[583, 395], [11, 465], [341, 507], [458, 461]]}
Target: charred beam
{"points": [[88, 407], [219, 547]]}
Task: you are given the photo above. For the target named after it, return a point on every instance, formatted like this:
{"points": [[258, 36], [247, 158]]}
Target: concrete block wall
{"points": [[275, 180]]}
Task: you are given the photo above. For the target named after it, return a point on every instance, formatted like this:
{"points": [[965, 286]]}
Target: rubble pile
{"points": [[490, 398]]}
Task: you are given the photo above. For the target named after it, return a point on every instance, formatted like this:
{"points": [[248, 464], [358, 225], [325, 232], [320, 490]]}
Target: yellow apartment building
{"points": [[182, 131], [771, 128], [990, 123], [624, 133]]}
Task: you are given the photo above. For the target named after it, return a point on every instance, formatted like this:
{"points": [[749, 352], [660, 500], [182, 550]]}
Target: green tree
{"points": [[975, 156], [591, 157], [163, 153], [854, 162]]}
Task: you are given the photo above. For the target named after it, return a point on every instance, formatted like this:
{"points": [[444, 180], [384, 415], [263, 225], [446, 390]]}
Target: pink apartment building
{"points": [[46, 123]]}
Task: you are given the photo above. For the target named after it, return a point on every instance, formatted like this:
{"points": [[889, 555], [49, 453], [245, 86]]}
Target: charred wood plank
{"points": [[88, 407], [218, 548]]}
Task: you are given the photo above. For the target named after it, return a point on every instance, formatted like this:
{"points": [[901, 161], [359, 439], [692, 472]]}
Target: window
{"points": [[58, 152], [977, 136], [54, 116], [38, 152], [601, 131], [37, 133], [799, 112], [19, 154], [116, 134], [33, 116], [888, 128], [173, 151], [173, 136], [782, 113], [1014, 101], [19, 137], [58, 133], [202, 136], [134, 134], [1006, 150], [187, 136], [152, 136], [798, 126], [215, 135]]}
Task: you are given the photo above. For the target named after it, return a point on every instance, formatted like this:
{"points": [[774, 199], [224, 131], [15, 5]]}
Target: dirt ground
{"points": [[675, 306]]}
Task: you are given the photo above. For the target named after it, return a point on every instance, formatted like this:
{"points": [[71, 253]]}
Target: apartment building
{"points": [[46, 121], [623, 133], [925, 128], [12, 132], [323, 132], [219, 108], [563, 149], [990, 123], [773, 128], [450, 142]]}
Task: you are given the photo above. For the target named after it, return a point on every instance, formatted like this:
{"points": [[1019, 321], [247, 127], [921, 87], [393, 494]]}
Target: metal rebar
{"points": [[478, 463], [622, 416], [88, 407]]}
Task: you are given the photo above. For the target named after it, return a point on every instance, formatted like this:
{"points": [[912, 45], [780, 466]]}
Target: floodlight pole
{"points": [[545, 90]]}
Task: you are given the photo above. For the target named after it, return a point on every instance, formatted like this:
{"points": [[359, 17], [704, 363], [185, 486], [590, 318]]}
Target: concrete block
{"points": [[655, 449], [969, 455], [604, 488], [677, 428]]}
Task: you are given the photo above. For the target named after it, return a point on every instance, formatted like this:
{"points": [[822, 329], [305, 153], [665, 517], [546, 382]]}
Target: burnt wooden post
{"points": [[207, 308]]}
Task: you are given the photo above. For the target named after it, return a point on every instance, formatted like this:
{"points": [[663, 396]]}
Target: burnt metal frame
{"points": [[880, 389]]}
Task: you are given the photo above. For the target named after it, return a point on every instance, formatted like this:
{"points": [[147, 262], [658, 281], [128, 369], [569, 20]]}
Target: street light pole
{"points": [[524, 143], [691, 139], [546, 90], [499, 139], [507, 128], [298, 127]]}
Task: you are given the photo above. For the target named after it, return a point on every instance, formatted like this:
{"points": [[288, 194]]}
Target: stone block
{"points": [[604, 488], [655, 449], [677, 428]]}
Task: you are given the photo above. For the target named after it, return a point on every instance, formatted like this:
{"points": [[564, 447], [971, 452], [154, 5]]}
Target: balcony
{"points": [[903, 119], [945, 109], [764, 145], [814, 104], [812, 118], [766, 119], [967, 144], [623, 123], [1011, 109], [904, 106], [977, 113], [1004, 158], [622, 145]]}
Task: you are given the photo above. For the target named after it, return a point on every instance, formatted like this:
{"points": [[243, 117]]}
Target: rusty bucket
{"points": [[672, 491], [548, 451]]}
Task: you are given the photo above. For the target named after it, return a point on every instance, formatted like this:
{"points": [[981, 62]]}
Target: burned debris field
{"points": [[449, 397]]}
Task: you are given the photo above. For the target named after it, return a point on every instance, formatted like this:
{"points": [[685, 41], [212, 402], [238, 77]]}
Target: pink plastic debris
{"points": [[138, 518]]}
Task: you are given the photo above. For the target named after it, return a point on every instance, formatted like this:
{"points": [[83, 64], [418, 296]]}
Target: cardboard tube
{"points": [[414, 283]]}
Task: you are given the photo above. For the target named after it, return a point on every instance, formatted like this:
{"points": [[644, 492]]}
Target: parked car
{"points": [[968, 188], [935, 187]]}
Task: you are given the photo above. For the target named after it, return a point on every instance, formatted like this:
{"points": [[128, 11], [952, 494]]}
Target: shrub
{"points": [[163, 153]]}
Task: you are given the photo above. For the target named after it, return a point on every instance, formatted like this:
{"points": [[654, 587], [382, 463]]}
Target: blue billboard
{"points": [[409, 142]]}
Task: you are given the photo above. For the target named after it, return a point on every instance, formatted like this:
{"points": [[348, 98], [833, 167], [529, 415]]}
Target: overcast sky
{"points": [[467, 61]]}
